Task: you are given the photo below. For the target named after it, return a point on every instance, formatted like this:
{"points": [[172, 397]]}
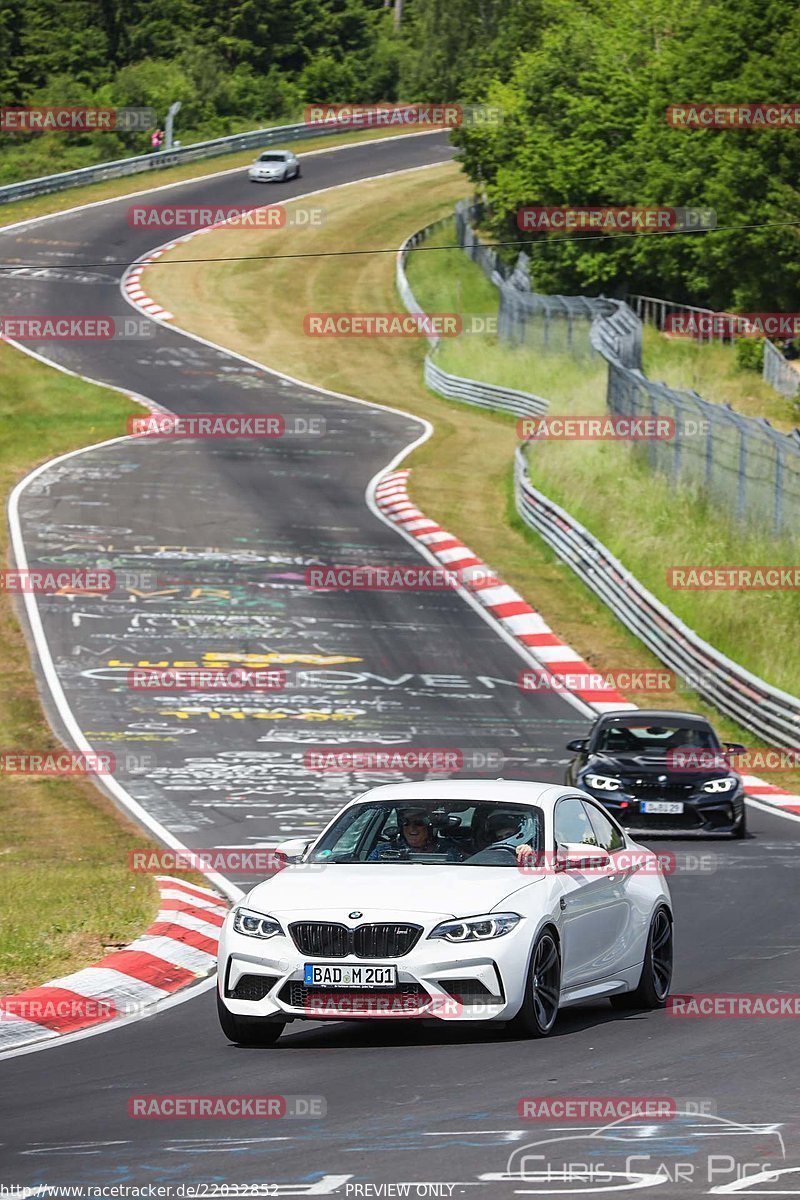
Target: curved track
{"points": [[219, 534]]}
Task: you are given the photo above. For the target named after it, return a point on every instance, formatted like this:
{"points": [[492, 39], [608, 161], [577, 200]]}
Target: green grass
{"points": [[65, 890], [640, 516]]}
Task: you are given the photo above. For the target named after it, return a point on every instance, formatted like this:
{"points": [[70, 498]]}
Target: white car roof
{"points": [[484, 791]]}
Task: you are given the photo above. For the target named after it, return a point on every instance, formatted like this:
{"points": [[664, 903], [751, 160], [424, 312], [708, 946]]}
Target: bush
{"points": [[750, 354]]}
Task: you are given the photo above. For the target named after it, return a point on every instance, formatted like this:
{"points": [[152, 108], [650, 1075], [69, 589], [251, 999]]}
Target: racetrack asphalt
{"points": [[213, 539]]}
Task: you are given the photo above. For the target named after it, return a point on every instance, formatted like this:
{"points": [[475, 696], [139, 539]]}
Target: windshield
{"points": [[464, 833], [624, 738], [274, 157]]}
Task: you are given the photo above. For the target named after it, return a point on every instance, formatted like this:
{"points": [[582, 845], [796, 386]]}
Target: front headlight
{"points": [[476, 929], [253, 924], [720, 785], [603, 783]]}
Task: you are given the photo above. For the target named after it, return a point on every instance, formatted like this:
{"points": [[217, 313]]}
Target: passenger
{"points": [[504, 831]]}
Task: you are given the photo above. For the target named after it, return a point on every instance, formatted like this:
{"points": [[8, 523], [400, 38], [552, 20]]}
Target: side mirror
{"points": [[577, 745], [294, 849], [578, 856], [735, 748]]}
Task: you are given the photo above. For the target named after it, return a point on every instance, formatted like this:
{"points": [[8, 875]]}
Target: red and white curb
{"points": [[178, 949], [501, 601], [132, 285], [517, 617], [132, 279]]}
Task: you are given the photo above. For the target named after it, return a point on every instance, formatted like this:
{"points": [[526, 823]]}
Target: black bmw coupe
{"points": [[661, 772]]}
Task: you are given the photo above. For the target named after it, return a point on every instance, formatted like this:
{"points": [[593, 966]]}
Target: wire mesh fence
{"points": [[743, 464]]}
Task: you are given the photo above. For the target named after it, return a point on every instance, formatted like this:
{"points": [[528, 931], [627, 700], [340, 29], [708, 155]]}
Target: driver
{"points": [[416, 829], [417, 833]]}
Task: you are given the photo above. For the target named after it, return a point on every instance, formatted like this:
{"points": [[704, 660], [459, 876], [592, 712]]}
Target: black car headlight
{"points": [[253, 924], [603, 783], [476, 929], [726, 784]]}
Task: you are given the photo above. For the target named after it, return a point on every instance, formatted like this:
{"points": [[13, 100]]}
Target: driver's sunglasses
{"points": [[415, 824]]}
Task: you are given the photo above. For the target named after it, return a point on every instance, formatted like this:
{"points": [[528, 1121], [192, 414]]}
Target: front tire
{"points": [[539, 1009], [654, 984], [248, 1031], [741, 829]]}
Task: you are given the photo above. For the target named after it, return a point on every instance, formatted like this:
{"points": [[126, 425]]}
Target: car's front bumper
{"points": [[437, 980], [704, 814]]}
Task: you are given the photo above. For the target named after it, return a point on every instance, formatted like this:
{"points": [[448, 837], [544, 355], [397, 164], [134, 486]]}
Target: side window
{"points": [[572, 823], [608, 836]]}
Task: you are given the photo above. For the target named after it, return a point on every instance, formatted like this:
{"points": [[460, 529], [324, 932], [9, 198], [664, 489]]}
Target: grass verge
{"points": [[65, 891], [216, 300]]}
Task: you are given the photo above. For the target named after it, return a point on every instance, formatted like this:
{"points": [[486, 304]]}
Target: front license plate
{"points": [[662, 806], [322, 975]]}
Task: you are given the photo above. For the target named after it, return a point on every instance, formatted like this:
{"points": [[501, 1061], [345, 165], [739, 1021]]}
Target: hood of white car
{"points": [[332, 891]]}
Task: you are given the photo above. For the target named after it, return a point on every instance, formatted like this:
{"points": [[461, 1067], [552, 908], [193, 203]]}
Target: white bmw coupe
{"points": [[458, 900]]}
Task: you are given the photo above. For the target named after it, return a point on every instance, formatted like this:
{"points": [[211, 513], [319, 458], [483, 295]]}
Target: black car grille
{"points": [[330, 940], [323, 938], [297, 994], [252, 987], [688, 819], [652, 790]]}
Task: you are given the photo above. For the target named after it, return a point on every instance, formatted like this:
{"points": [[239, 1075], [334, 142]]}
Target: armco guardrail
{"points": [[755, 704], [455, 387], [253, 140], [484, 395], [401, 279]]}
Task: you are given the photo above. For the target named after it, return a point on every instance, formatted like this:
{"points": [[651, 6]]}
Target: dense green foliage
{"points": [[583, 85], [233, 64], [585, 124]]}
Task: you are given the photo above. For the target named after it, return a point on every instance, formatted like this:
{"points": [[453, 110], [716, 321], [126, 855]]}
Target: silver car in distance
{"points": [[274, 166]]}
